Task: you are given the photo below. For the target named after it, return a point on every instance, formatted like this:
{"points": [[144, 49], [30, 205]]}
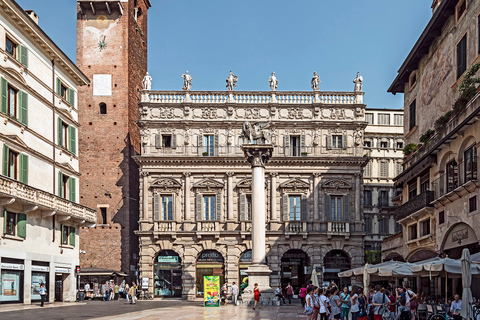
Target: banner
{"points": [[211, 285]]}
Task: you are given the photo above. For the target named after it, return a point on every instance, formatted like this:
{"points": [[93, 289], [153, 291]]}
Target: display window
{"points": [[209, 263], [11, 286], [37, 279], [168, 274], [244, 262]]}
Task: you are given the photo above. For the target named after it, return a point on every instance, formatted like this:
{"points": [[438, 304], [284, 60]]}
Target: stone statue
{"points": [[273, 82], [231, 81], [316, 82], [358, 83], [147, 82], [257, 132], [187, 81]]}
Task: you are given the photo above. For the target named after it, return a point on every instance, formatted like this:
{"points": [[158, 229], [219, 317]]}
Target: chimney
{"points": [[32, 15], [435, 5]]}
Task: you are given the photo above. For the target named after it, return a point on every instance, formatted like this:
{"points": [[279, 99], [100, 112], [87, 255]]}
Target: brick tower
{"points": [[112, 52]]}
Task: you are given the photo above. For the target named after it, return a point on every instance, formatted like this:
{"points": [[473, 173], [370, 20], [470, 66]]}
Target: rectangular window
{"points": [[367, 144], [460, 9], [384, 119], [295, 207], [367, 198], [10, 223], [412, 231], [412, 190], [248, 208], [425, 227], [209, 145], [68, 235], [167, 208], [295, 146], [462, 56], [336, 207], [398, 227], [368, 170], [452, 175], [413, 114], [166, 140], [337, 142], [399, 168], [383, 169], [67, 187], [369, 118], [65, 92], [441, 217], [209, 208], [66, 136], [472, 204], [12, 102], [383, 199], [15, 224], [368, 225], [383, 226], [470, 164], [425, 183], [384, 144], [399, 145], [398, 119], [10, 47], [103, 211], [15, 165]]}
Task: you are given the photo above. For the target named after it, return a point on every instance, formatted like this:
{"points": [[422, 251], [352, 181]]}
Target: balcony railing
{"points": [[45, 200], [295, 226], [208, 226], [466, 171], [419, 202], [165, 226], [251, 97], [338, 227]]}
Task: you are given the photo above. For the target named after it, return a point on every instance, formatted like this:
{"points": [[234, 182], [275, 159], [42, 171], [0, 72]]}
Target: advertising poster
{"points": [[211, 291], [10, 286]]}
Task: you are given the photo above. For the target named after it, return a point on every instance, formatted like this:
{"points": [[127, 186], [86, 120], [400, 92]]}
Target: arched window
{"points": [[103, 108]]}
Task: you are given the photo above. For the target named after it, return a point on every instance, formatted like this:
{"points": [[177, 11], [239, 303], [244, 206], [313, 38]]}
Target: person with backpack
{"points": [[404, 312], [289, 292], [362, 305], [380, 304], [345, 300], [411, 298], [354, 304]]}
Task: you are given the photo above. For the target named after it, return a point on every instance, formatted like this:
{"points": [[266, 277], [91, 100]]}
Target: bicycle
{"points": [[147, 296]]}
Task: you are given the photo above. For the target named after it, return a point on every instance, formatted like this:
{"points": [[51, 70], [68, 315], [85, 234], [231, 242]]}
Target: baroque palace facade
{"points": [[195, 186]]}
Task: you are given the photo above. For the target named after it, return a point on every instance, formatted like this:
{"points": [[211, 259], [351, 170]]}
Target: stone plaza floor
{"points": [[147, 310]]}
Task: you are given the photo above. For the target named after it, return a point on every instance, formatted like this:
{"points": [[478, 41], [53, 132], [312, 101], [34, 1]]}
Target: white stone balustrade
{"points": [[246, 226], [338, 227], [252, 97], [46, 201], [208, 226], [165, 226], [295, 226]]}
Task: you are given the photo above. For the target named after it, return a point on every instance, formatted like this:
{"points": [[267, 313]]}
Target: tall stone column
{"points": [[146, 215], [230, 196], [316, 177], [187, 195], [357, 197], [273, 196]]}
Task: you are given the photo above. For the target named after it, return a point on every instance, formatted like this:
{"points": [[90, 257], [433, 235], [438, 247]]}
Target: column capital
{"points": [[187, 173], [257, 154], [274, 174], [144, 173], [317, 174], [230, 173]]}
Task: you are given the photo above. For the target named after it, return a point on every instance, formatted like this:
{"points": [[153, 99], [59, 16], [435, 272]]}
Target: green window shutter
{"points": [[59, 131], [23, 116], [24, 168], [72, 189], [22, 225], [72, 136], [61, 236], [4, 97], [6, 151], [60, 184], [4, 221], [72, 236], [23, 55], [59, 87], [70, 96]]}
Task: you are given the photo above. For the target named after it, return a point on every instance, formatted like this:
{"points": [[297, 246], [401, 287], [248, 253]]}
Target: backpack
{"points": [[405, 315], [347, 298], [385, 311]]}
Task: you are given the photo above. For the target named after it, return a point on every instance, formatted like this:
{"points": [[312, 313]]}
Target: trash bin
{"points": [[81, 296]]}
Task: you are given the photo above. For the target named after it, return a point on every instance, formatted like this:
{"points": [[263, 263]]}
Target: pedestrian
{"points": [[371, 292], [235, 292], [316, 302], [308, 308], [379, 301], [279, 294], [225, 293], [362, 305], [335, 304], [110, 291], [393, 302], [323, 305], [411, 298], [132, 293], [43, 293], [328, 294], [456, 308], [303, 294], [127, 292], [256, 296], [86, 287], [344, 299], [404, 312], [289, 292], [354, 304], [116, 291]]}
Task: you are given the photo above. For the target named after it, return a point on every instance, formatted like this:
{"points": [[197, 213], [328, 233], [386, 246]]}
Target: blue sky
{"points": [[255, 37]]}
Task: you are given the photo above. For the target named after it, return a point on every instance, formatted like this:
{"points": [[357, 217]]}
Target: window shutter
{"points": [[243, 207], [59, 87], [61, 237], [72, 236], [218, 207], [70, 96], [22, 225], [328, 204], [200, 144], [158, 141], [174, 140], [304, 207], [156, 207], [59, 131], [60, 184], [72, 135], [6, 151], [303, 147], [4, 221], [215, 152], [344, 141], [285, 208], [329, 142], [4, 89], [346, 208], [198, 207], [24, 168], [72, 189], [23, 104], [23, 54]]}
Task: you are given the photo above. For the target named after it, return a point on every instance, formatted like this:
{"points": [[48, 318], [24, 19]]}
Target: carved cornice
{"points": [[295, 184], [337, 184], [166, 183], [208, 184]]}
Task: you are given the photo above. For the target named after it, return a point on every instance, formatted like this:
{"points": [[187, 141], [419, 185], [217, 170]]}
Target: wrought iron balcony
{"points": [[419, 202]]}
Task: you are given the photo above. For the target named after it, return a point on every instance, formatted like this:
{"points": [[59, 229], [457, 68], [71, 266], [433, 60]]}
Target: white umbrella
{"points": [[314, 278], [466, 283], [366, 280]]}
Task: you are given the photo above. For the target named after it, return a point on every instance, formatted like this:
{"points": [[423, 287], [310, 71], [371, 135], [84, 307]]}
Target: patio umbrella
{"points": [[466, 283], [314, 278], [366, 280]]}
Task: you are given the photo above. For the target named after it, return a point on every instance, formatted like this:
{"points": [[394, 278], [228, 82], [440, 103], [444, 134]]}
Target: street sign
{"points": [[145, 281]]}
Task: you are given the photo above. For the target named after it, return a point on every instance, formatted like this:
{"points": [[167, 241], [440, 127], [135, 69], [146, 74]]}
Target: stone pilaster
{"points": [[187, 196]]}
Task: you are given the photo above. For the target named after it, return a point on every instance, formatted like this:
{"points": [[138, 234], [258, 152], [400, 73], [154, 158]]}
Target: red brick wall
{"points": [[107, 142]]}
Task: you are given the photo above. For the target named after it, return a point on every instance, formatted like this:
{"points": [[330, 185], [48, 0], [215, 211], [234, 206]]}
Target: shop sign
{"points": [[247, 256], [211, 291], [210, 256], [62, 270], [40, 269], [167, 259], [11, 266], [145, 281]]}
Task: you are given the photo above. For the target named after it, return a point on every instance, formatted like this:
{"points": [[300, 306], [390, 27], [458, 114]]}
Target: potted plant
{"points": [[205, 153], [304, 154]]}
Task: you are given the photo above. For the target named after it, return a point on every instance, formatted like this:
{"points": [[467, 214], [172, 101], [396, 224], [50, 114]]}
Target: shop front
{"points": [[293, 265], [459, 237], [243, 263], [209, 263], [40, 271], [61, 275], [168, 274], [11, 281]]}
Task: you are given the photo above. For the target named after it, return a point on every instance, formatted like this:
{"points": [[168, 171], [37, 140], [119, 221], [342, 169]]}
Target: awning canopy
{"points": [[101, 272]]}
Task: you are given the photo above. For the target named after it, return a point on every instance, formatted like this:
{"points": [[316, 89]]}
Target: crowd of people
{"points": [[110, 290]]}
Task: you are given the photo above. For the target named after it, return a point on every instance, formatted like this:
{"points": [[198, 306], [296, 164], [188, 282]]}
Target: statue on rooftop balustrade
{"points": [[316, 82], [231, 81], [147, 82], [256, 131], [358, 83], [187, 81], [273, 82]]}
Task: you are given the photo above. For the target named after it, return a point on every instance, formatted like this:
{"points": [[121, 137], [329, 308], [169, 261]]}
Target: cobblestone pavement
{"points": [[147, 310]]}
